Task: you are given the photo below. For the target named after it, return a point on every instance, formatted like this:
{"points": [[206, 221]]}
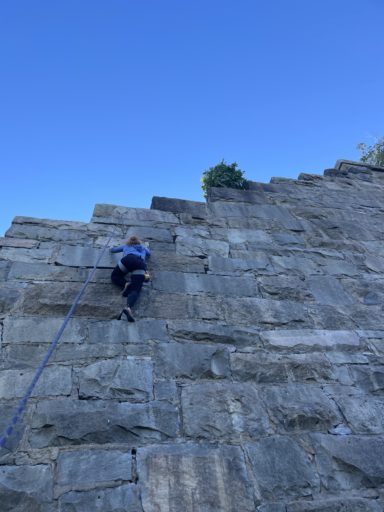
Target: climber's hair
{"points": [[133, 240]]}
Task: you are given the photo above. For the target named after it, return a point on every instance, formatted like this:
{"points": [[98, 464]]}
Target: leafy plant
{"points": [[223, 175], [373, 155]]}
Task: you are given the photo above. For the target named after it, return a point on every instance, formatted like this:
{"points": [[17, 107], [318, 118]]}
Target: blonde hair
{"points": [[133, 240]]}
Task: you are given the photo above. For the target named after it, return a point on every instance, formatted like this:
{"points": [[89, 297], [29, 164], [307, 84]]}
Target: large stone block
{"points": [[349, 462], [213, 333], [80, 256], [265, 367], [27, 255], [178, 282], [220, 410], [125, 379], [37, 329], [142, 331], [293, 288], [300, 407], [195, 208], [336, 505], [54, 381], [311, 339], [67, 421], [32, 483], [191, 361], [113, 214], [219, 265], [194, 477], [150, 234], [328, 290], [202, 248], [282, 469], [43, 272], [369, 379], [123, 498], [365, 415], [82, 469]]}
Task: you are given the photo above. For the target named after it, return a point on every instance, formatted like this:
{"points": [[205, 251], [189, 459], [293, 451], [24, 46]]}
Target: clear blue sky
{"points": [[115, 101]]}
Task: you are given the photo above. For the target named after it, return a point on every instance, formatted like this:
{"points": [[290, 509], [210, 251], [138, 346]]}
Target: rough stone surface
{"points": [[252, 379]]}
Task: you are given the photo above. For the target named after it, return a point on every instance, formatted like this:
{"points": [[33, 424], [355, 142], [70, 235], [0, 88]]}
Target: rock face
{"points": [[252, 379]]}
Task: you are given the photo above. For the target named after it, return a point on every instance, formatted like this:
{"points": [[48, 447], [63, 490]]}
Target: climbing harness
{"points": [[23, 402]]}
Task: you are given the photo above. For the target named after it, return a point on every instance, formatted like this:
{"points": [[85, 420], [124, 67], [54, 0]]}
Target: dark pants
{"points": [[131, 263]]}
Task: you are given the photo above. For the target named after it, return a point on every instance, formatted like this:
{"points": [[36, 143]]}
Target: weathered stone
{"points": [[335, 505], [196, 209], [369, 379], [192, 361], [365, 415], [194, 477], [43, 272], [190, 246], [129, 379], [213, 333], [149, 234], [80, 256], [32, 483], [36, 329], [264, 367], [282, 469], [177, 282], [113, 214], [26, 255], [77, 470], [66, 421], [227, 411], [54, 381], [349, 462], [125, 497], [8, 411], [142, 331], [219, 265], [311, 339], [299, 407], [284, 288], [9, 296], [328, 290], [17, 242]]}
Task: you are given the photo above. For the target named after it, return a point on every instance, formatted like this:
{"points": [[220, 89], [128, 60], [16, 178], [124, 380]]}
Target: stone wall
{"points": [[252, 380]]}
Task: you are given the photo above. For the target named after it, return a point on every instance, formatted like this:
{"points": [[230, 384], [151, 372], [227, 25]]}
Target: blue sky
{"points": [[115, 101]]}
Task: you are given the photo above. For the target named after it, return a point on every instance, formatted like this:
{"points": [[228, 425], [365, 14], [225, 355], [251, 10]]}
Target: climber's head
{"points": [[133, 240]]}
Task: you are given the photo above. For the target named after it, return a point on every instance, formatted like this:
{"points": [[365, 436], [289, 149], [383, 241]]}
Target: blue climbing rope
{"points": [[23, 402]]}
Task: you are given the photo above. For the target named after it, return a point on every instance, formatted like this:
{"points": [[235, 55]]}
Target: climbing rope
{"points": [[23, 402]]}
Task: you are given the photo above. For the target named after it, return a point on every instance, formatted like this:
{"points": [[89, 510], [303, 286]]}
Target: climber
{"points": [[133, 261]]}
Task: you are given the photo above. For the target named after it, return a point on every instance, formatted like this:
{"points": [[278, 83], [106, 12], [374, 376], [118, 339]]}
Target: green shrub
{"points": [[223, 175], [373, 155]]}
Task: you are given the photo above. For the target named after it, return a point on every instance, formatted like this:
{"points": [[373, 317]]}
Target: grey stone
{"points": [[349, 462], [150, 233], [192, 361], [177, 282], [127, 379], [311, 339], [17, 242], [196, 209], [66, 421], [300, 407], [77, 470], [213, 332], [264, 367], [26, 255], [194, 477], [9, 296], [54, 381], [29, 481], [80, 256], [219, 410], [113, 214], [43, 272], [8, 411], [142, 331], [369, 379], [220, 265], [123, 498], [193, 246], [282, 469], [328, 290], [293, 288], [365, 415], [35, 329], [335, 505]]}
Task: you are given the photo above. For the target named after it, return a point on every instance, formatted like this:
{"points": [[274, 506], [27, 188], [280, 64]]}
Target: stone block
{"points": [[43, 272], [236, 195], [282, 469], [311, 339], [37, 329], [219, 265], [197, 209], [27, 255], [328, 290], [264, 367], [221, 410], [8, 411], [123, 498], [191, 361], [113, 214], [17, 242], [178, 282], [293, 288], [335, 505], [29, 483], [66, 421], [169, 261], [149, 234], [213, 333], [300, 407], [202, 248], [142, 331], [126, 379], [369, 379], [78, 470], [349, 462], [47, 232], [194, 477], [365, 415], [54, 381], [80, 256]]}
